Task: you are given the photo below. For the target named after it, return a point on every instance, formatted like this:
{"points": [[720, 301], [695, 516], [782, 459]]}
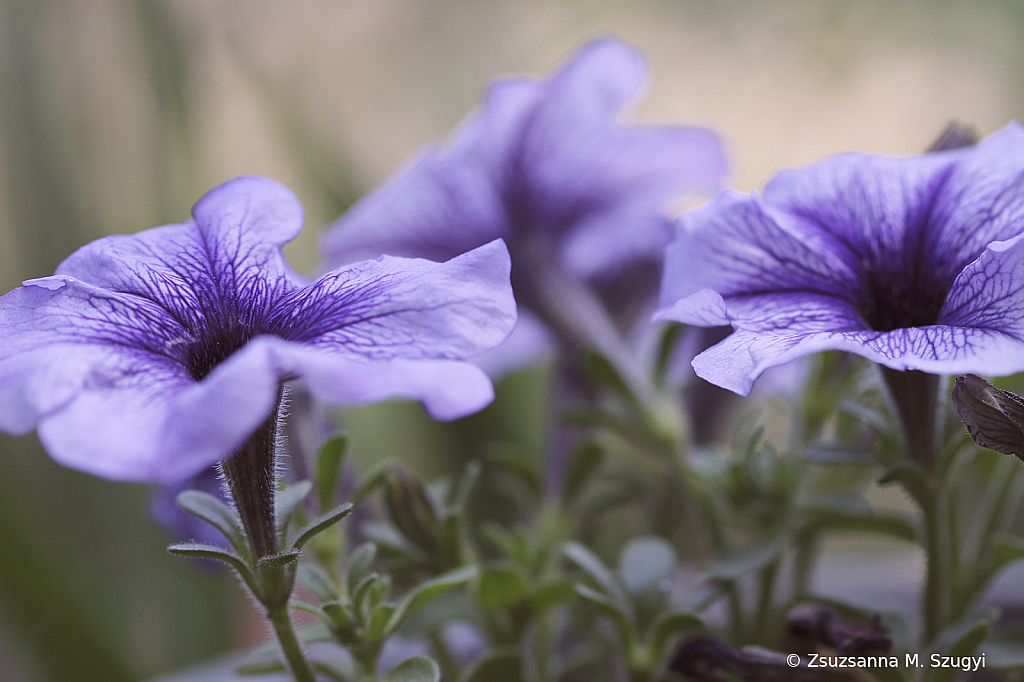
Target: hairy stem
{"points": [[290, 647], [250, 476], [916, 396]]}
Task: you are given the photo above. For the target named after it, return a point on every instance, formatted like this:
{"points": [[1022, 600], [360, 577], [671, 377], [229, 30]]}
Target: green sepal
{"points": [[359, 564], [322, 523], [614, 611], [198, 549], [377, 630], [502, 664], [422, 594], [501, 587], [217, 514], [316, 580], [667, 626], [418, 669], [584, 462], [277, 560], [286, 502], [328, 467], [371, 479], [962, 640], [595, 569]]}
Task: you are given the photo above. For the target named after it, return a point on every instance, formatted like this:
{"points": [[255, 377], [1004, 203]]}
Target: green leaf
{"points": [[341, 619], [749, 561], [198, 549], [387, 537], [914, 480], [373, 477], [422, 594], [961, 640], [609, 608], [217, 514], [282, 559], [585, 461], [322, 523], [501, 587], [595, 569], [645, 562], [497, 665], [328, 468], [467, 481], [261, 668], [549, 594], [287, 501], [419, 669], [835, 514], [316, 580], [602, 370], [379, 622], [668, 625], [359, 564]]}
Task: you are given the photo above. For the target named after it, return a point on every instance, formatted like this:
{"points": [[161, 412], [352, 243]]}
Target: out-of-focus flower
{"points": [[994, 417], [546, 166], [150, 357], [914, 263]]}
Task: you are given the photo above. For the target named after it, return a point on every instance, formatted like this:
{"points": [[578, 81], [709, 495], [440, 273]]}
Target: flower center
{"points": [[215, 344], [901, 300]]}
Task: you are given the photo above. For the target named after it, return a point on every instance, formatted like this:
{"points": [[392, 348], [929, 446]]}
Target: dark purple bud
{"points": [[994, 417]]}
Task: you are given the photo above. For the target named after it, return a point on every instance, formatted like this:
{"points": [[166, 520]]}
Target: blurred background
{"points": [[116, 115]]}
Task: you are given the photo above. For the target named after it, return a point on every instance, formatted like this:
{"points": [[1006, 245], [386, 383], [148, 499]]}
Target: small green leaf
{"points": [[602, 370], [613, 611], [668, 625], [963, 640], [497, 665], [217, 514], [422, 594], [197, 549], [914, 481], [419, 669], [584, 462], [501, 587], [748, 561], [328, 467], [469, 477], [373, 477], [379, 622], [549, 594], [387, 537], [275, 560], [287, 501], [322, 523], [316, 580], [359, 564], [262, 668], [595, 569]]}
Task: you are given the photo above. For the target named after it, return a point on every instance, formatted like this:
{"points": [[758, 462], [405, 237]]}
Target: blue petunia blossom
{"points": [[150, 357], [545, 165], [914, 263]]}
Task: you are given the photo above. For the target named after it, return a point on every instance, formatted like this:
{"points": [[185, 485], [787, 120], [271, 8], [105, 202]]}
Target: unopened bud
{"points": [[411, 508], [994, 417]]}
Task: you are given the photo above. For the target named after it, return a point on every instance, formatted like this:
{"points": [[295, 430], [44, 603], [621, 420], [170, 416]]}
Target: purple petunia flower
{"points": [[913, 263], [546, 166], [149, 357]]}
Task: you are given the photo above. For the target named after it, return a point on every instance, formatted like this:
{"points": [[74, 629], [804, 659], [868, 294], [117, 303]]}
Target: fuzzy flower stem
{"points": [[250, 476], [285, 631], [916, 397]]}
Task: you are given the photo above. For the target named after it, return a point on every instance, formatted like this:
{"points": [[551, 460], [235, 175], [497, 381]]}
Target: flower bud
{"points": [[411, 508], [994, 417]]}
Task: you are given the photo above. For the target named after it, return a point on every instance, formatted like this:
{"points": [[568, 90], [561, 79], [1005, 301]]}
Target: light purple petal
{"points": [[230, 251], [989, 293], [394, 308], [735, 246]]}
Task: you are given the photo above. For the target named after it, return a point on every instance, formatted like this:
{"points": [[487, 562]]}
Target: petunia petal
{"points": [[412, 308], [230, 251]]}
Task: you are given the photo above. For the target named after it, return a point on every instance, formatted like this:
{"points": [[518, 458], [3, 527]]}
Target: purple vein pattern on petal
{"points": [[152, 356], [544, 162], [909, 262]]}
